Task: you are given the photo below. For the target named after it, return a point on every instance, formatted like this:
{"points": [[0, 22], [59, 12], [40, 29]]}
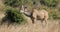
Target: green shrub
{"points": [[14, 15], [54, 14], [13, 3], [50, 3]]}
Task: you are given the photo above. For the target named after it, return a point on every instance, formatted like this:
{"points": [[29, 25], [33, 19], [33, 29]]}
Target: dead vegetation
{"points": [[52, 26]]}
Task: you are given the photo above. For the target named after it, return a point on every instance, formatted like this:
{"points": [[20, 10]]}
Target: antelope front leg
{"points": [[33, 20], [34, 16], [45, 22]]}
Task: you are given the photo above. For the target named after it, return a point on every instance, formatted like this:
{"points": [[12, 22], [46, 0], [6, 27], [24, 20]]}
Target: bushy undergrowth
{"points": [[13, 3], [50, 3], [55, 14], [14, 15]]}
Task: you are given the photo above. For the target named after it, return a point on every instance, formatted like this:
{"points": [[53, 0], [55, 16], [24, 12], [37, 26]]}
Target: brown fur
{"points": [[43, 15]]}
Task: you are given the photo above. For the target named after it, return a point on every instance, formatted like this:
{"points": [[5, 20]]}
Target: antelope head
{"points": [[25, 11]]}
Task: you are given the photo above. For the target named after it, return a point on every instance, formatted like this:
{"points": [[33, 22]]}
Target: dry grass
{"points": [[52, 26], [2, 6]]}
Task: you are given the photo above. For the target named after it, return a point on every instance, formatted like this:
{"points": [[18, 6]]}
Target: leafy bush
{"points": [[14, 15], [54, 14], [49, 3], [13, 3], [19, 3]]}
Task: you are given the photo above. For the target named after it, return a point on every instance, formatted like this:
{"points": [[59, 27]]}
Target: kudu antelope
{"points": [[35, 14], [42, 15]]}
